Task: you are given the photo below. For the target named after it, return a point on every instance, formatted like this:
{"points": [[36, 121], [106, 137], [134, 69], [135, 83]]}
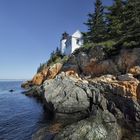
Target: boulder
{"points": [[47, 73], [27, 84], [11, 90], [78, 61], [71, 64], [54, 70], [44, 72], [105, 78], [128, 58], [125, 88], [68, 99], [34, 91], [138, 92], [135, 70], [95, 68], [127, 77], [72, 73], [82, 59], [38, 79], [101, 127]]}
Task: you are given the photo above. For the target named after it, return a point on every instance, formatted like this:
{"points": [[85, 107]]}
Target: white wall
{"points": [[77, 41], [63, 46], [75, 45], [68, 49]]}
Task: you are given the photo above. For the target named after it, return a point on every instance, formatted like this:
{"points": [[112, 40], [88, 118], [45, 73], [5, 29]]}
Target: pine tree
{"points": [[131, 24], [57, 52], [96, 24], [115, 19]]}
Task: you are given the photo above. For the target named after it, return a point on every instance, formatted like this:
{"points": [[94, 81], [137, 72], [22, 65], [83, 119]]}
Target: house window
{"points": [[78, 41]]}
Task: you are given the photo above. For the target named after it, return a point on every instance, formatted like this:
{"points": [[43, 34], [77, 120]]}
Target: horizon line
{"points": [[4, 79]]}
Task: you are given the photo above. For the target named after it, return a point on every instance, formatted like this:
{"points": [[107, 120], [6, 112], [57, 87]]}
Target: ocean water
{"points": [[20, 116]]}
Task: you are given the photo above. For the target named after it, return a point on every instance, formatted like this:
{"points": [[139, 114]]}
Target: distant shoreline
{"points": [[13, 79]]}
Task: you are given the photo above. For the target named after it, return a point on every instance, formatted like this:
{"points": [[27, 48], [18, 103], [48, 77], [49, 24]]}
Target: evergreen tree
{"points": [[58, 52], [96, 24], [131, 24], [115, 19]]}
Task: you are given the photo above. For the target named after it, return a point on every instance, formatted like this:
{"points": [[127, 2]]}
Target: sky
{"points": [[31, 29]]}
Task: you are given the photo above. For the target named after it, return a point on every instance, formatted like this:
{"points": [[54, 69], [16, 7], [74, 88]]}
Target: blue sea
{"points": [[20, 116]]}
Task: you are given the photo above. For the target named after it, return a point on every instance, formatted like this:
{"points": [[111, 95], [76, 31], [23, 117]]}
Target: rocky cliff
{"points": [[92, 96]]}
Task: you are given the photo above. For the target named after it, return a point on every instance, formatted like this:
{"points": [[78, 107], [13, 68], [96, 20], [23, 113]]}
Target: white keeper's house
{"points": [[69, 43]]}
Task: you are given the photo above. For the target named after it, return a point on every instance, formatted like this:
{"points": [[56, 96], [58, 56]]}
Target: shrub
{"points": [[56, 57], [109, 48], [41, 67]]}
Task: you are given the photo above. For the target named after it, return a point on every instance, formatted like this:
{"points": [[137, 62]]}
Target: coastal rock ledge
{"points": [[92, 96], [102, 112]]}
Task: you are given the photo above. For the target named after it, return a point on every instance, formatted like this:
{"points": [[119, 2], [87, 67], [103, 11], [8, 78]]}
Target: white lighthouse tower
{"points": [[63, 43]]}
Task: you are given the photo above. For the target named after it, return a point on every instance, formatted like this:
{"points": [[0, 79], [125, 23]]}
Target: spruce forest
{"points": [[116, 25]]}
